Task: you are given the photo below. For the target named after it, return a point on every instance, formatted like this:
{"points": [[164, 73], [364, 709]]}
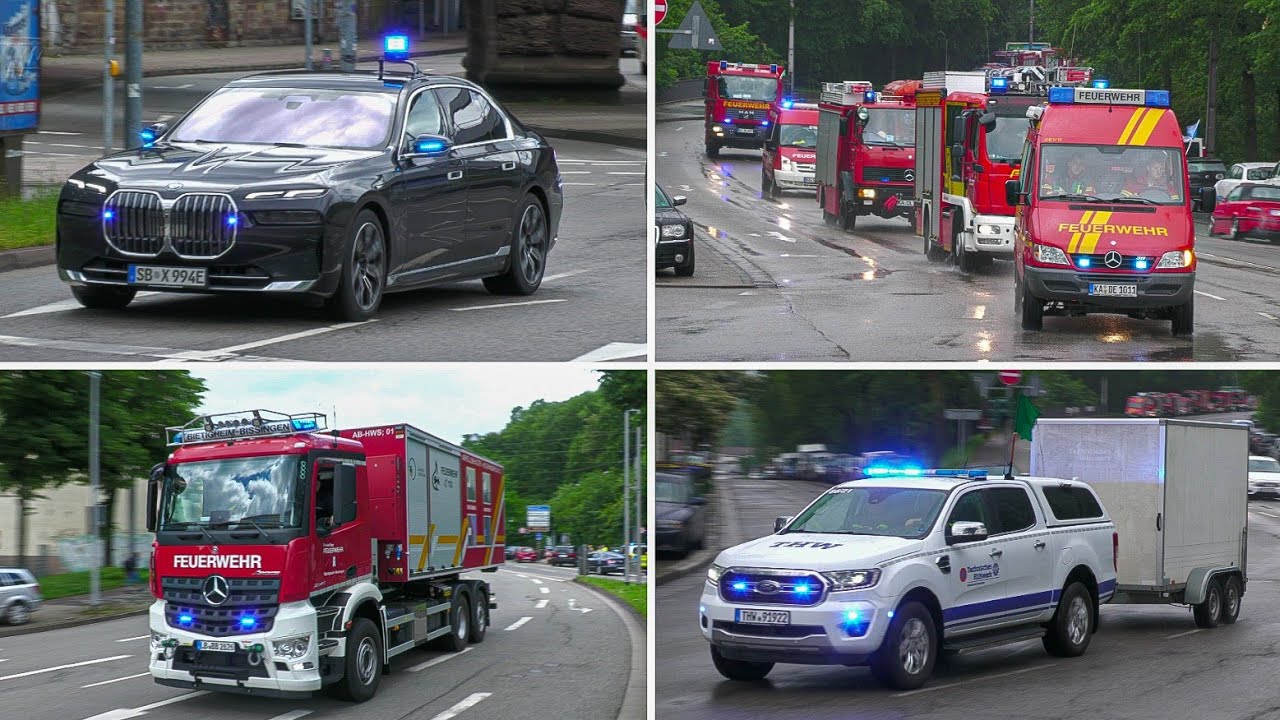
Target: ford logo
{"points": [[768, 587]]}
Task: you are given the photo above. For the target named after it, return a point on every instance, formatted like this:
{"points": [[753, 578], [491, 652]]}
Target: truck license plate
{"points": [[906, 203], [764, 617], [167, 276], [215, 646], [746, 131], [809, 180], [1110, 290]]}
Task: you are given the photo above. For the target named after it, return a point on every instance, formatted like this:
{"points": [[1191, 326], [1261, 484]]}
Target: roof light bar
{"points": [[1108, 96], [243, 424]]}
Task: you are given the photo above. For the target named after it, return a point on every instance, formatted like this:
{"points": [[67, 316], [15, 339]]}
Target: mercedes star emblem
{"points": [[216, 590], [910, 175], [767, 587], [1112, 259]]}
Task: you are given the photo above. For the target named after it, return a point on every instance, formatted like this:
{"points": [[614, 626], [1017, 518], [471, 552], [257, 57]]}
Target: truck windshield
{"points": [[900, 512], [805, 136], [742, 87], [1111, 173], [290, 116], [1004, 142], [890, 127], [213, 493]]}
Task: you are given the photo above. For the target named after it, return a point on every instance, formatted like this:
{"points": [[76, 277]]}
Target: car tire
{"points": [[1208, 613], [1232, 591], [527, 263], [740, 670], [1032, 311], [18, 613], [363, 277], [459, 624], [479, 617], [1071, 628], [907, 655], [103, 298], [685, 269], [363, 663], [1184, 318]]}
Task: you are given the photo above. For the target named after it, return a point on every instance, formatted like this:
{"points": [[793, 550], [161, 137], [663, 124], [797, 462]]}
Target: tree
{"points": [[739, 43], [692, 404]]}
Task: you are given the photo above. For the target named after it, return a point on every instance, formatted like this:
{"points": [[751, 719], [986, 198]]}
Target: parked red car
{"points": [[1251, 210], [526, 554]]}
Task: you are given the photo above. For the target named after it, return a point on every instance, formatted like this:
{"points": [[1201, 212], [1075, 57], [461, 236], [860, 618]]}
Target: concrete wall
{"points": [[546, 42], [57, 529]]}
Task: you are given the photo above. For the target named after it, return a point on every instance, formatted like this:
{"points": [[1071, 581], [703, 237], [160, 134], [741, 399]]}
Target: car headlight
{"points": [[852, 579], [713, 573], [672, 231], [285, 194], [102, 189], [670, 524], [1176, 259], [1051, 255], [867, 193], [292, 648], [156, 641], [717, 129], [786, 163]]}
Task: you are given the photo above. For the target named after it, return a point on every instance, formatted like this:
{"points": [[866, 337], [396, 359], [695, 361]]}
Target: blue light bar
{"points": [[999, 85], [724, 65], [1157, 98], [956, 472], [911, 471], [305, 425], [773, 69], [787, 103], [878, 471], [395, 47], [1062, 95], [870, 95], [148, 137], [430, 146], [1102, 83]]}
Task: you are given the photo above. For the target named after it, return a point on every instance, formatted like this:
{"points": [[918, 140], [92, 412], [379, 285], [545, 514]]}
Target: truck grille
{"points": [[772, 587], [133, 222], [756, 115], [886, 174], [202, 226], [1127, 262], [247, 598]]}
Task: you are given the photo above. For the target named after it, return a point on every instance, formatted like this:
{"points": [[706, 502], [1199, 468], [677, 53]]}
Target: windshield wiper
{"points": [[1076, 198], [255, 525], [289, 144], [1134, 199], [198, 526]]}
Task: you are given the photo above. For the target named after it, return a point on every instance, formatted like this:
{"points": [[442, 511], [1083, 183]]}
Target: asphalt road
{"points": [[1145, 662], [774, 283], [552, 646], [592, 306]]}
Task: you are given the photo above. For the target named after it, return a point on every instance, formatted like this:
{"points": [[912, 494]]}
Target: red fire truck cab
{"points": [[866, 153], [736, 106], [288, 559], [790, 149]]}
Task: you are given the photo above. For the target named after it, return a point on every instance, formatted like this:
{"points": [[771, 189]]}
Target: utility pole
{"points": [[108, 82], [347, 43], [1211, 113], [626, 493], [306, 24], [791, 48], [1032, 22], [641, 522], [95, 597], [133, 73]]}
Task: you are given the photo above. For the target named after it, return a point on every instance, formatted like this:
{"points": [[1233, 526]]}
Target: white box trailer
{"points": [[1178, 493]]}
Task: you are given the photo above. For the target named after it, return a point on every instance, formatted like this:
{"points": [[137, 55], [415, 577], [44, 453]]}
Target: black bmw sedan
{"points": [[343, 187]]}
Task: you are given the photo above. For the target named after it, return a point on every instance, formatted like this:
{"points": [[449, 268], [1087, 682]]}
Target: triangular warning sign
{"points": [[695, 32]]}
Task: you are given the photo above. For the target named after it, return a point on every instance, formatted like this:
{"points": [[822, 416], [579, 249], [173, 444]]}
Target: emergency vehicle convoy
{"points": [[866, 150], [1103, 222], [790, 148], [738, 97], [287, 559], [1189, 402]]}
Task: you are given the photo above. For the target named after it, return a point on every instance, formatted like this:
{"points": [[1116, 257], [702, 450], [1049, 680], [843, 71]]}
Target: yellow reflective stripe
{"points": [[462, 540], [1133, 122], [1143, 133], [1090, 241], [1075, 237], [497, 515], [426, 546]]}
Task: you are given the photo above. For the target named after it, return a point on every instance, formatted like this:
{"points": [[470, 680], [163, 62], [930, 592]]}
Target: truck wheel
{"points": [[363, 661], [1071, 628], [906, 657], [1032, 311], [1208, 614], [364, 271], [848, 220], [103, 298], [1231, 600], [742, 670], [479, 618], [713, 150], [459, 622], [965, 260], [529, 249], [1184, 318], [686, 269]]}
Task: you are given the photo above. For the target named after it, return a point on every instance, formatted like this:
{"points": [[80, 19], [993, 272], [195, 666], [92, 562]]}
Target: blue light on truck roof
{"points": [[999, 85], [877, 471], [1108, 96], [1102, 83], [724, 65], [1062, 95], [773, 69], [787, 103], [304, 425], [1157, 98], [870, 95], [395, 47]]}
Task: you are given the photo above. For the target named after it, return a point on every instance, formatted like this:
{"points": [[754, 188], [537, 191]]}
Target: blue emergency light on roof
{"points": [[395, 47], [787, 103], [773, 69], [999, 85], [148, 137], [1102, 83], [724, 65], [870, 95]]}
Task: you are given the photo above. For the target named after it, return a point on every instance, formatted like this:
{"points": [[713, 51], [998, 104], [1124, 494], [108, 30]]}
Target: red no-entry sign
{"points": [[659, 13], [1009, 377]]}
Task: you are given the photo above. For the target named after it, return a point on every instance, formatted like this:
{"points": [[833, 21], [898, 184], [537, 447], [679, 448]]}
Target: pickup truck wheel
{"points": [[1071, 628], [741, 670], [905, 660], [479, 618], [1208, 614], [363, 661], [1231, 600]]}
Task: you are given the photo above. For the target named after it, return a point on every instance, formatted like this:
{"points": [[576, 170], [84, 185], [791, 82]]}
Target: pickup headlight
{"points": [[713, 573], [852, 579], [672, 231], [1051, 255], [292, 648], [1176, 259]]}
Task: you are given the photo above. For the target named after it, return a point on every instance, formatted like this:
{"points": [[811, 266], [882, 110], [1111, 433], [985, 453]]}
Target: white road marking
{"points": [[60, 306], [29, 673], [127, 713], [535, 581], [510, 304], [580, 184], [573, 605], [614, 172], [561, 276], [1182, 634], [51, 154], [197, 354], [1215, 297], [520, 575], [183, 86], [1268, 316], [541, 604], [293, 715], [87, 147], [470, 701], [544, 589], [575, 172], [516, 625], [1241, 262], [55, 132], [614, 351], [140, 637], [797, 256], [1270, 515], [117, 349], [436, 661], [973, 680], [116, 680]]}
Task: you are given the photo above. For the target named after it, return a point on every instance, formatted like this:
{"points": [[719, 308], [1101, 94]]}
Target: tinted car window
{"points": [[474, 119], [1012, 509], [660, 198], [323, 118], [970, 508], [1263, 192], [1205, 166], [1072, 503], [424, 116], [7, 579]]}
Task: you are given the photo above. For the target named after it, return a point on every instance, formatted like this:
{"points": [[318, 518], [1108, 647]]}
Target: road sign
{"points": [[695, 32], [539, 517], [1009, 377], [960, 414], [659, 13], [538, 536]]}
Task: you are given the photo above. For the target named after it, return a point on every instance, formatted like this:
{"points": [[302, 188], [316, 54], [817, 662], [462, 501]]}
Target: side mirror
{"points": [[344, 494], [153, 496], [1013, 192], [428, 146], [966, 532], [151, 133], [781, 521], [863, 115], [1208, 199], [957, 152], [679, 200], [706, 87], [988, 121]]}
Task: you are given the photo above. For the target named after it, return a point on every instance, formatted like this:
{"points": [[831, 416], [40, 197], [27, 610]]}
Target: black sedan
{"points": [[673, 231], [605, 563], [340, 187], [681, 514]]}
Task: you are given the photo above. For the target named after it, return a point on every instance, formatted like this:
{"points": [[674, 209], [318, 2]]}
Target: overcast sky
{"points": [[447, 402]]}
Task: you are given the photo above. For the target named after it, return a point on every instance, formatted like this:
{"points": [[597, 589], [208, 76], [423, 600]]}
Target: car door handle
{"points": [[455, 174], [997, 553], [508, 166], [1040, 545]]}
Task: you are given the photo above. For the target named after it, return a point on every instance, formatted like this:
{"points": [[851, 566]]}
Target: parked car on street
{"points": [[563, 555], [19, 595], [1203, 173], [1264, 476], [681, 514], [526, 554]]}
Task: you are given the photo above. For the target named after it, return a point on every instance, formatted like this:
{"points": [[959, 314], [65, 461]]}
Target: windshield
{"points": [[805, 136], [742, 87], [1268, 465], [890, 127], [318, 118], [671, 490], [898, 512], [1110, 172], [660, 198], [1197, 165], [220, 492], [1004, 142]]}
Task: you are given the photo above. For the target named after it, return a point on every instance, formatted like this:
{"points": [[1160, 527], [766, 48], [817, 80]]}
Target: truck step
{"points": [[327, 645], [973, 642]]}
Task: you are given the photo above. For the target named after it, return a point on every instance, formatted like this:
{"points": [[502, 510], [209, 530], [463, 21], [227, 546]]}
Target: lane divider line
{"points": [[293, 715], [1182, 634], [29, 673], [471, 700], [973, 680], [545, 590], [131, 639], [436, 661], [516, 625], [510, 304], [541, 604], [116, 680], [1215, 297]]}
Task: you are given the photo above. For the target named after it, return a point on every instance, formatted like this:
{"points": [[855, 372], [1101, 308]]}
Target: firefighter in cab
{"points": [[1155, 181], [1071, 180]]}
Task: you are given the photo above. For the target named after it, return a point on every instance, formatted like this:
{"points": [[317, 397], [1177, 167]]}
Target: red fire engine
{"points": [[790, 149], [287, 559], [866, 152], [736, 109]]}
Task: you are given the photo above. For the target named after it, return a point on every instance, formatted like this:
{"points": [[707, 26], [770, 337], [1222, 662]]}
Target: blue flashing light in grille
{"points": [[186, 619], [248, 622], [765, 123], [1141, 263], [1084, 262], [802, 589], [231, 220], [739, 586], [108, 214]]}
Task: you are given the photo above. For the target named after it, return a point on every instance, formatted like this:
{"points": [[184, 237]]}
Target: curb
{"points": [[23, 258], [635, 698], [62, 625], [591, 136], [577, 580]]}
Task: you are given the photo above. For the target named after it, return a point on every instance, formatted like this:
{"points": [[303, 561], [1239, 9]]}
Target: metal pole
{"points": [[347, 36], [95, 525], [1211, 112], [1032, 31], [133, 73], [108, 83], [791, 47], [640, 485], [306, 24], [626, 493]]}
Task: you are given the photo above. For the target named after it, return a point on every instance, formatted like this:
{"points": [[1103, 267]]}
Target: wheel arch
{"points": [[929, 600]]}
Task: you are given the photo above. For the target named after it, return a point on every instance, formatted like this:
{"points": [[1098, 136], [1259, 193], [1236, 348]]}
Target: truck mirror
{"points": [[957, 152], [781, 522], [153, 495], [1208, 199], [1013, 192], [863, 115], [344, 494], [988, 121], [962, 531], [706, 87]]}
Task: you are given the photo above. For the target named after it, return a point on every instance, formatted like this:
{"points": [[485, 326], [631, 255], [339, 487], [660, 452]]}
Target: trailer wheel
{"points": [[1071, 628], [907, 655], [459, 624], [1208, 614], [741, 670], [363, 661], [479, 617], [1231, 600]]}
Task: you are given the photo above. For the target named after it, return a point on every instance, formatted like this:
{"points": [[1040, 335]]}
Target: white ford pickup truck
{"points": [[891, 571]]}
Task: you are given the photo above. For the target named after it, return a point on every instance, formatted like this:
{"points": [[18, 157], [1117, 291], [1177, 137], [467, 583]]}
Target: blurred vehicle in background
{"points": [[605, 563], [630, 18], [526, 554], [1264, 476], [680, 514], [1250, 211], [19, 595], [1241, 173], [563, 555], [1203, 173]]}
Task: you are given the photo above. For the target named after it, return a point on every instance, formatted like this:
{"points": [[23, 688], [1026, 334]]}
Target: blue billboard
{"points": [[19, 65]]}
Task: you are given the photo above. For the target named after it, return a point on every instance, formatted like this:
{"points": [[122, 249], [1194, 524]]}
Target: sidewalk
{"points": [[67, 612]]}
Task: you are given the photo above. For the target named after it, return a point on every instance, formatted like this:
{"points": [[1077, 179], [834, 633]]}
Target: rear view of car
{"points": [[564, 555], [1251, 211], [19, 595]]}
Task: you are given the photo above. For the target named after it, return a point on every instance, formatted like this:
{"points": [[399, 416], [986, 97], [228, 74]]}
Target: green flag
{"points": [[1026, 417]]}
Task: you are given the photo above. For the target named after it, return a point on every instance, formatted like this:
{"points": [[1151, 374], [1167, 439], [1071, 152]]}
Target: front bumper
{"points": [[668, 250], [816, 635], [795, 180], [1260, 491], [991, 234], [1155, 290], [731, 136], [1261, 231], [268, 675], [876, 205]]}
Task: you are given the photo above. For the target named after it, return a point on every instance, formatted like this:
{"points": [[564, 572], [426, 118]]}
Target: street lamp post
{"points": [[791, 48], [626, 493]]}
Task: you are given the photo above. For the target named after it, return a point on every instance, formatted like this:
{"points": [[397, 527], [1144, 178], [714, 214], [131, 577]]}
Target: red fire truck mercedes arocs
{"points": [[287, 559], [790, 149], [1103, 220], [736, 109]]}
